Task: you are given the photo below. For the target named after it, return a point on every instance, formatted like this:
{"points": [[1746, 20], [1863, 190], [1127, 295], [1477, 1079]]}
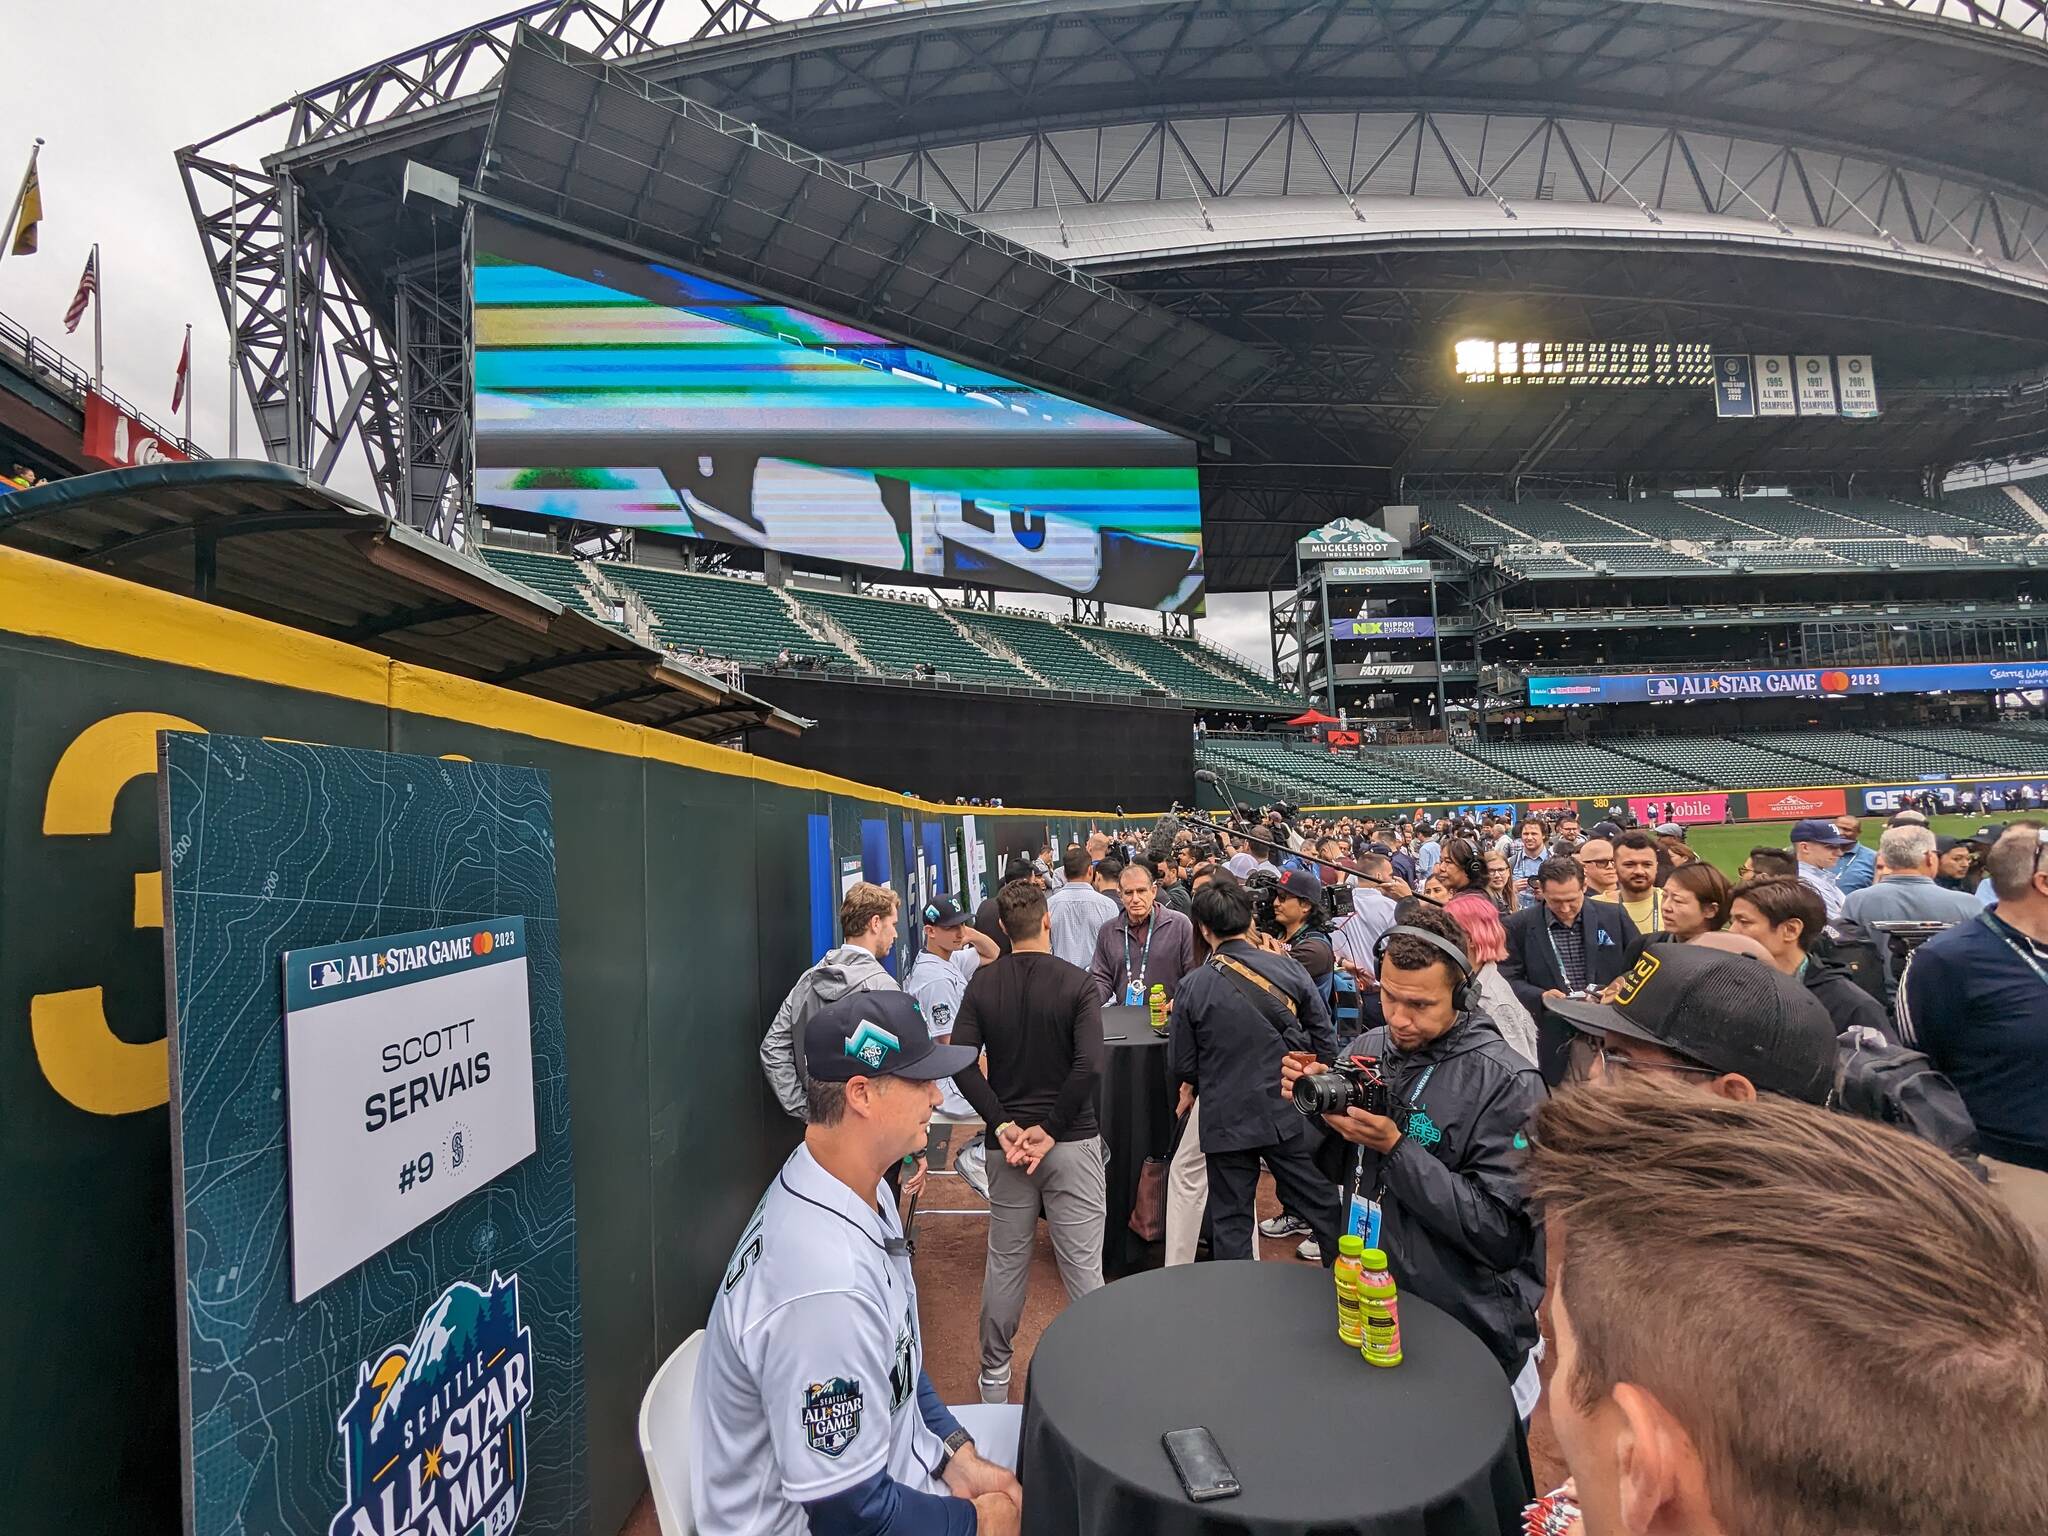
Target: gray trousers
{"points": [[1069, 1189]]}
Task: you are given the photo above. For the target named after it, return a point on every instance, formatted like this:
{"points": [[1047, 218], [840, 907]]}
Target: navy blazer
{"points": [[1612, 944]]}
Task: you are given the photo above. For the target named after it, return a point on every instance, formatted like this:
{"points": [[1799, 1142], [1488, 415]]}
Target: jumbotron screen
{"points": [[1567, 689], [625, 392]]}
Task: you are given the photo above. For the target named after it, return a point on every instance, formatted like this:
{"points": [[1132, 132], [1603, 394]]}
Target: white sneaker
{"points": [[1286, 1224], [993, 1389], [971, 1163], [1309, 1250]]}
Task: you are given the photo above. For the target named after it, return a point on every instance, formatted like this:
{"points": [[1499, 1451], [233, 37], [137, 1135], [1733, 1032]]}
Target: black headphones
{"points": [[1460, 988]]}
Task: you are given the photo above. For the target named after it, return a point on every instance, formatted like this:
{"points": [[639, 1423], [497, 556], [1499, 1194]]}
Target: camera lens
{"points": [[1322, 1093]]}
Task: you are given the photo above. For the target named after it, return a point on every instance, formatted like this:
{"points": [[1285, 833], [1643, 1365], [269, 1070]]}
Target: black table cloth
{"points": [[1136, 1113], [1322, 1442]]}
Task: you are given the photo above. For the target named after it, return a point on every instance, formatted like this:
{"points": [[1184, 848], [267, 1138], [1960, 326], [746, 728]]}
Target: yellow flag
{"points": [[30, 214]]}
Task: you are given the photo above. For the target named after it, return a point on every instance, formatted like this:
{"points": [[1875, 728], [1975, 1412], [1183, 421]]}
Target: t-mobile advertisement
{"points": [[1685, 810]]}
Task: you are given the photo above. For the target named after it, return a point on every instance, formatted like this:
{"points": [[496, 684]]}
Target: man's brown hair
{"points": [[863, 904], [1852, 1330], [1020, 907]]}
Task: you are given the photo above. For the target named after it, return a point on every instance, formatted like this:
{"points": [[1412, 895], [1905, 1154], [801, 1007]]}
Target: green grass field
{"points": [[1726, 847]]}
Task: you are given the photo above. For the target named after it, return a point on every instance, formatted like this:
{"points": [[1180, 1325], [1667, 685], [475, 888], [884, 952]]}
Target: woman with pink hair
{"points": [[1486, 941]]}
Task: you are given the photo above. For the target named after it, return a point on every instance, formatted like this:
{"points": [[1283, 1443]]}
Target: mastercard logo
{"points": [[1834, 682], [481, 944]]}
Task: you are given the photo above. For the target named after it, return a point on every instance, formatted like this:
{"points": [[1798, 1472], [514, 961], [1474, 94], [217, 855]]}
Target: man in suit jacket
{"points": [[1563, 946]]}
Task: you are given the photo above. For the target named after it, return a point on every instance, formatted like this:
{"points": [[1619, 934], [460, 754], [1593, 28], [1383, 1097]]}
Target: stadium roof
{"points": [[264, 540], [598, 146]]}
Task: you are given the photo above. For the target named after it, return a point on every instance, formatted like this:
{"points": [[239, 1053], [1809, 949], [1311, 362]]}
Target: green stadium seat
{"points": [[896, 636], [729, 617]]}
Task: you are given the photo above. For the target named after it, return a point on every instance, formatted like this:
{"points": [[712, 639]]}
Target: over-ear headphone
{"points": [[1460, 988], [1473, 864]]}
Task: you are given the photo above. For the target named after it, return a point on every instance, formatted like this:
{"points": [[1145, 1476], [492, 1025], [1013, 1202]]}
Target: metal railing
{"points": [[57, 373]]}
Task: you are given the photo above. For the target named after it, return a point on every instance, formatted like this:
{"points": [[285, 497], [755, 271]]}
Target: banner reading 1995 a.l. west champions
{"points": [[409, 1070]]}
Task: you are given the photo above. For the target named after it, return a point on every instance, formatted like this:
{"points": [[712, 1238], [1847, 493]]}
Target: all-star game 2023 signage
{"points": [[381, 1325], [409, 1063]]}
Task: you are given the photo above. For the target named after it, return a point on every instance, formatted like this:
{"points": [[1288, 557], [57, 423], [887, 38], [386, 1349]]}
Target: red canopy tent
{"points": [[1315, 717]]}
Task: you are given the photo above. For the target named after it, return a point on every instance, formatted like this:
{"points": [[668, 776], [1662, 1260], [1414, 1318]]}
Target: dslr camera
{"points": [[1353, 1084], [1263, 889]]}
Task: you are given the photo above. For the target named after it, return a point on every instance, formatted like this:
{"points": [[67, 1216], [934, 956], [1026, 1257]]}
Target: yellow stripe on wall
{"points": [[49, 600]]}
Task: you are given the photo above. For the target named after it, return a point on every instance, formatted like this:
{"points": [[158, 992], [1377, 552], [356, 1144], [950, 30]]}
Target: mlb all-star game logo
{"points": [[871, 1044], [832, 1414], [434, 1441]]}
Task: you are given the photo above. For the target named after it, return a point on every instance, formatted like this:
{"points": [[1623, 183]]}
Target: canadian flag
{"points": [[184, 372]]}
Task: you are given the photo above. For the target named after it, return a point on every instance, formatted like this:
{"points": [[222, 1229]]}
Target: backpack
{"points": [[1876, 1080]]}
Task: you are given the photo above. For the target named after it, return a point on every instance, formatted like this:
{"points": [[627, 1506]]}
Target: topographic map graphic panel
{"points": [[438, 1387]]}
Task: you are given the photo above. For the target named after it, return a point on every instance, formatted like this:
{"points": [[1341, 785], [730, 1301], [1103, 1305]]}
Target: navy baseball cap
{"points": [[943, 912], [1729, 1012], [1826, 832], [1299, 882], [878, 1034]]}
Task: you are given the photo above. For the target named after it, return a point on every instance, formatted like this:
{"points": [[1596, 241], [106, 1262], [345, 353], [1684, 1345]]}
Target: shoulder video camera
{"points": [[1353, 1084]]}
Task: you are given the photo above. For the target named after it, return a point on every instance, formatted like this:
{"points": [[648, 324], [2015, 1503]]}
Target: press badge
{"points": [[1134, 995], [1365, 1220]]}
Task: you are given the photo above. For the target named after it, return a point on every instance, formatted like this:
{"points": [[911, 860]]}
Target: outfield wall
{"points": [[693, 883], [1782, 804]]}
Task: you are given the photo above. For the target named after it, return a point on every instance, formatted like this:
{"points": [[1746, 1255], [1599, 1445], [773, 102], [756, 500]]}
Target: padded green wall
{"points": [[685, 901]]}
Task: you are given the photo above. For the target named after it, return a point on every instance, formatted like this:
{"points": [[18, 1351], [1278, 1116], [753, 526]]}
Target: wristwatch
{"points": [[955, 1443]]}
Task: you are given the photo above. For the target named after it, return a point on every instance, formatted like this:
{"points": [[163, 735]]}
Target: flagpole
{"points": [[99, 304], [188, 389], [20, 196], [234, 326]]}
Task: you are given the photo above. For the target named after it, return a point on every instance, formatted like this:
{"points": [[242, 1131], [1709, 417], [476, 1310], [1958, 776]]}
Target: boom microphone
{"points": [[1208, 776]]}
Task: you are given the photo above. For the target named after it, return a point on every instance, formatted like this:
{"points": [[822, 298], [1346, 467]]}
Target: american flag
{"points": [[88, 290]]}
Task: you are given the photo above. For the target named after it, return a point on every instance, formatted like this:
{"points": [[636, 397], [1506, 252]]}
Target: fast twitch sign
{"points": [[1565, 690]]}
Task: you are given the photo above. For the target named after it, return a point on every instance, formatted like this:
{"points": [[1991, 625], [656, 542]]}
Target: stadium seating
{"points": [[1788, 557], [1453, 771], [741, 620], [1535, 562], [1052, 653], [1996, 506], [1311, 774], [1171, 668], [1253, 683], [556, 575], [1853, 755], [1474, 527], [896, 636], [1968, 745], [1721, 761], [1579, 767]]}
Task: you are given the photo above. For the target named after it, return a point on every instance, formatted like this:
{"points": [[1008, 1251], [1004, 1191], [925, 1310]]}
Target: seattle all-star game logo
{"points": [[434, 1441]]}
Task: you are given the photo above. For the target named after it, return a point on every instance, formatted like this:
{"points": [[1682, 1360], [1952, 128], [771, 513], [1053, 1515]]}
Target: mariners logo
{"points": [[831, 1415], [434, 1441]]}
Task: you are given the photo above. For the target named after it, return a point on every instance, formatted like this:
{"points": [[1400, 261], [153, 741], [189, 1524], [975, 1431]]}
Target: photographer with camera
{"points": [[1435, 1102], [1291, 921], [1236, 1017]]}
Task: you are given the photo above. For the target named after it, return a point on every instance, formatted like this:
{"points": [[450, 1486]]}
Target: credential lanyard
{"points": [[1144, 955]]}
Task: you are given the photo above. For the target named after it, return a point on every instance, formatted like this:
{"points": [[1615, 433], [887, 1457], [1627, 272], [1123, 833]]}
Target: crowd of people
{"points": [[1552, 1017]]}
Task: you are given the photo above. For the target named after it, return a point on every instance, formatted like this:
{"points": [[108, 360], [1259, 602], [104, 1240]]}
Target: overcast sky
{"points": [[114, 108]]}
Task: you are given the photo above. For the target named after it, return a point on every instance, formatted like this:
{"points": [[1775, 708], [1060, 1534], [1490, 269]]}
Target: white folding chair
{"points": [[664, 1437]]}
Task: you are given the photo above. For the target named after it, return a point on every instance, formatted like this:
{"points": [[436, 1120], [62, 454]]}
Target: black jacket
{"points": [[1531, 968], [1845, 999], [1228, 1048], [1452, 1219]]}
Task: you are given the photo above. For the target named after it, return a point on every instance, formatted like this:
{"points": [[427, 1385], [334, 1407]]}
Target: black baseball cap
{"points": [[1299, 882], [943, 912], [1729, 1012], [878, 1034]]}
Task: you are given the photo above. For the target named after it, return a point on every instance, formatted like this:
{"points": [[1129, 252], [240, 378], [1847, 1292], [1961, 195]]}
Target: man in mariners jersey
{"points": [[813, 1412], [952, 953]]}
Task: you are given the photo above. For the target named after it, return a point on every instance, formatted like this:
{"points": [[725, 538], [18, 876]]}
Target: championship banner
{"points": [[1734, 386], [1816, 383], [369, 1109], [1686, 810], [1794, 804], [1859, 386], [1774, 392], [114, 437]]}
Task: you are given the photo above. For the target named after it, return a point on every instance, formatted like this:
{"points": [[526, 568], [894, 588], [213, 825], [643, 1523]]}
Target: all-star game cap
{"points": [[878, 1034], [1729, 1012]]}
